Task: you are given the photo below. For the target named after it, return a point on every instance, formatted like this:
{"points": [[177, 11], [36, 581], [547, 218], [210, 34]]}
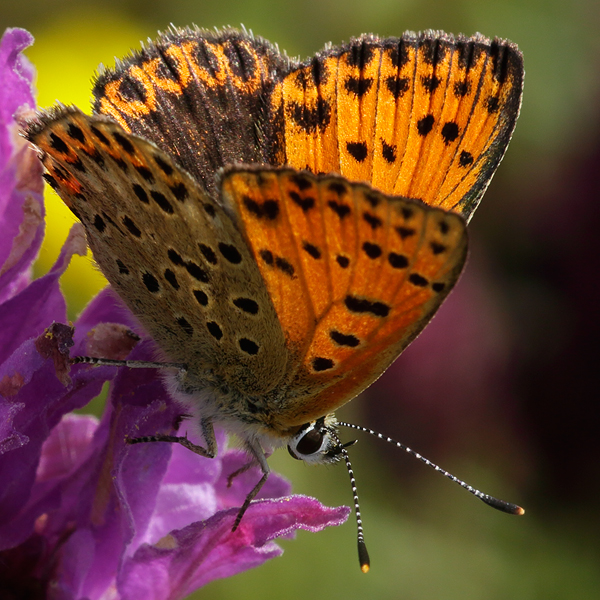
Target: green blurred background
{"points": [[502, 388]]}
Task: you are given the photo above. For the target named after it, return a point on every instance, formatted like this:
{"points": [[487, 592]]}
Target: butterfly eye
{"points": [[311, 442]]}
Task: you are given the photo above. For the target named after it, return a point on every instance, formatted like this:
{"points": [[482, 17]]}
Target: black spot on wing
{"points": [[373, 251], [358, 86], [150, 282], [141, 194], [311, 249], [100, 136], [175, 258], [373, 220], [304, 203], [344, 340], [123, 270], [449, 132], [418, 280], [201, 297], [301, 181], [284, 265], [360, 54], [340, 209], [145, 173], [310, 119], [343, 261], [180, 191], [430, 83], [58, 144], [269, 209], [99, 223], [492, 104], [162, 202], [171, 278], [75, 133], [462, 88], [388, 152], [322, 364], [197, 272], [164, 166], [208, 253], [372, 198], [230, 253], [267, 257], [51, 181], [248, 346], [425, 125], [277, 262], [466, 159], [337, 187], [131, 227], [405, 232], [124, 143], [397, 86], [397, 261], [358, 150], [246, 305], [356, 304], [407, 212], [214, 330]]}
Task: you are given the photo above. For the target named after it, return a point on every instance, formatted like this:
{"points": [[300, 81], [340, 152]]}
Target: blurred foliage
{"points": [[501, 387]]}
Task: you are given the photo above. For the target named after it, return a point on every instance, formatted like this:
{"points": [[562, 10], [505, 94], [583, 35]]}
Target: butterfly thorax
{"points": [[219, 402]]}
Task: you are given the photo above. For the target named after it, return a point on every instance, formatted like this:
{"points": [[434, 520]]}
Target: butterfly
{"points": [[283, 229]]}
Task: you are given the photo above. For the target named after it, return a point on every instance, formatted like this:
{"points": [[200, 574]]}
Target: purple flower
{"points": [[83, 514], [21, 188]]}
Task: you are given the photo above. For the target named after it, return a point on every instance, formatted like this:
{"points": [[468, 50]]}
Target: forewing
{"points": [[354, 275], [171, 252]]}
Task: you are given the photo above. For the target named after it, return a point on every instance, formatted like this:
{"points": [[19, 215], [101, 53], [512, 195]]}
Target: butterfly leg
{"points": [[241, 470], [208, 433], [258, 457]]}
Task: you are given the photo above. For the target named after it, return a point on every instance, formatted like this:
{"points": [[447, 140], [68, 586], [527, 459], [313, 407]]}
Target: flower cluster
{"points": [[83, 514]]}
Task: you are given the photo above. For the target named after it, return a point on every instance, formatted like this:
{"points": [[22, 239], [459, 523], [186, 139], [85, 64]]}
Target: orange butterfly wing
{"points": [[425, 116], [354, 276]]}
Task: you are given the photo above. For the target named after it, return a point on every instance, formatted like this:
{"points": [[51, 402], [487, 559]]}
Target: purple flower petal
{"points": [[28, 313], [16, 73], [66, 446], [34, 394], [106, 307], [21, 184], [196, 555], [38, 406]]}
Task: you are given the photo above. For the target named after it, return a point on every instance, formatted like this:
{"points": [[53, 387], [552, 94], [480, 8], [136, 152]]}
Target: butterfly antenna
{"points": [[363, 554], [507, 507]]}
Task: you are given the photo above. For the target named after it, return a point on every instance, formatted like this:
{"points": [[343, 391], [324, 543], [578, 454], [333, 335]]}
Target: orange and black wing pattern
{"points": [[354, 275], [425, 116], [198, 95]]}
